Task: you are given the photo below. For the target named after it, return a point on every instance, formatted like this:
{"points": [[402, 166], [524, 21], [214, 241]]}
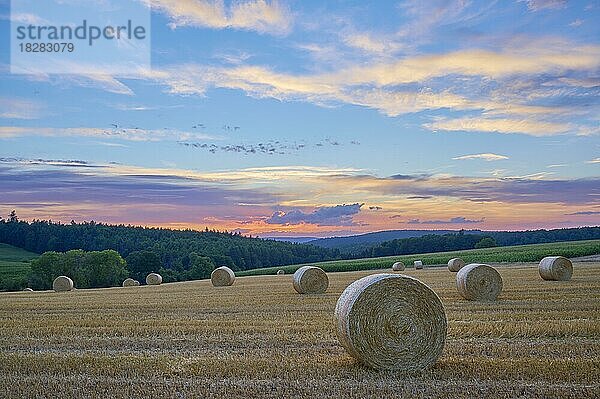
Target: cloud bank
{"points": [[338, 215], [485, 156]]}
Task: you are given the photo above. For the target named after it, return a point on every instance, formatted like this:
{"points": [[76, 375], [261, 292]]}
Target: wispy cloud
{"points": [[50, 162], [257, 15], [595, 160], [500, 125], [371, 43], [110, 144], [557, 165], [234, 57], [583, 213], [421, 22], [537, 5], [581, 82], [519, 57], [15, 108], [87, 77], [82, 75], [484, 156], [576, 23], [425, 17], [25, 18], [454, 220], [131, 134]]}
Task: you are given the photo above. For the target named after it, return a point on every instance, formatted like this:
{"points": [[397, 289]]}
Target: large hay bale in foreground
{"points": [[222, 277], [557, 268], [62, 284], [129, 282], [280, 272], [418, 264], [455, 264], [398, 266], [391, 322], [479, 282], [310, 280], [154, 279]]}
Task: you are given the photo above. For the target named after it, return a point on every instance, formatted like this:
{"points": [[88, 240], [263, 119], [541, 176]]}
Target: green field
{"points": [[14, 264], [260, 339], [518, 253]]}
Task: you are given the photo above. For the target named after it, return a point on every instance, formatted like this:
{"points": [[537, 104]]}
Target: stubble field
{"points": [[259, 338]]}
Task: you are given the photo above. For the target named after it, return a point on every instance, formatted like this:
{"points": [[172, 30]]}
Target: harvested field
{"points": [[259, 338]]}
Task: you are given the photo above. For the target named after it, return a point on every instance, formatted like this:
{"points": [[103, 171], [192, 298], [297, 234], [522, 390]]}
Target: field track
{"points": [[259, 338]]}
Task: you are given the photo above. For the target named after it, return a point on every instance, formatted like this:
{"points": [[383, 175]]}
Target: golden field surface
{"points": [[258, 338]]}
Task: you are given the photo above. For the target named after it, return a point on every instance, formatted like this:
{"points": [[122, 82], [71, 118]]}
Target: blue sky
{"points": [[295, 118]]}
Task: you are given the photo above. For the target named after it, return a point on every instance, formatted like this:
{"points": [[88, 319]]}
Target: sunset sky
{"points": [[311, 118]]}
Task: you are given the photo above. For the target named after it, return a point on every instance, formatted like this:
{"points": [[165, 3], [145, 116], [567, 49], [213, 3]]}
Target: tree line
{"points": [[428, 243], [180, 255], [176, 249], [101, 269], [355, 247], [94, 269]]}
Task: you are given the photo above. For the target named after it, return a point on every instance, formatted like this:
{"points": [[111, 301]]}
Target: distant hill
{"points": [[8, 253], [363, 241], [14, 266], [358, 244]]}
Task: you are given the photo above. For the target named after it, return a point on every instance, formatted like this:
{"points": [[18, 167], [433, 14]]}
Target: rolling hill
{"points": [[358, 244], [14, 265], [364, 241]]}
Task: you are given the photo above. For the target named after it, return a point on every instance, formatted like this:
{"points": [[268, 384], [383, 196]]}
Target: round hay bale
{"points": [[154, 279], [62, 284], [398, 266], [129, 282], [310, 280], [479, 282], [280, 272], [222, 277], [418, 264], [28, 289], [557, 268], [455, 264], [391, 322]]}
